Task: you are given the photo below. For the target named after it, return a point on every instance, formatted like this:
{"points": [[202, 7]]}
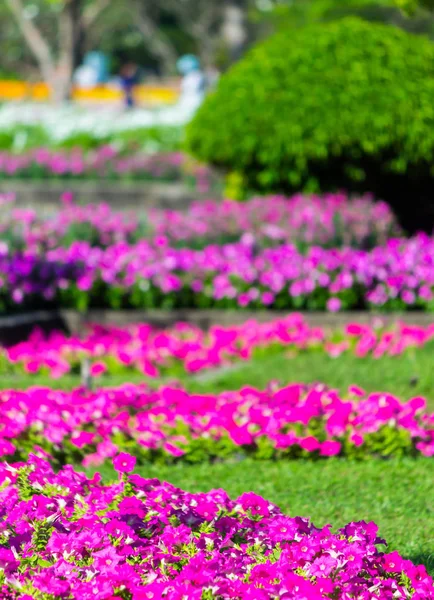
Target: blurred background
{"points": [[45, 43], [176, 178]]}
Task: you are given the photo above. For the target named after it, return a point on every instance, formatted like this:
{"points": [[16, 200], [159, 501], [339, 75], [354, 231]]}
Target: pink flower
{"points": [[97, 369], [310, 444], [124, 463], [330, 448], [334, 304], [67, 198], [173, 450], [254, 504], [356, 439], [356, 391], [393, 563], [323, 566]]}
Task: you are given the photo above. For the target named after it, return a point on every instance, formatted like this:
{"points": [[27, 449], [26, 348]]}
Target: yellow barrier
{"points": [[40, 92]]}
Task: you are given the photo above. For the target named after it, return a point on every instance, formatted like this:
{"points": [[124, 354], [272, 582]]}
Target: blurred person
{"points": [[93, 71], [194, 84], [129, 79], [85, 76]]}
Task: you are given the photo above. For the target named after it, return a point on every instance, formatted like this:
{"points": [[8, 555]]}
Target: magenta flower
{"points": [[124, 463], [97, 545], [254, 504], [330, 448]]}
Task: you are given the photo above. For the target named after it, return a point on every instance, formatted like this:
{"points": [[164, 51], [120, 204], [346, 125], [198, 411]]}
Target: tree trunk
{"points": [[36, 42], [69, 34], [74, 20]]}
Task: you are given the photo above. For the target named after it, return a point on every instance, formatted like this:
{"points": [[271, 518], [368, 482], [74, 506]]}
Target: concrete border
{"points": [[207, 318], [44, 195]]}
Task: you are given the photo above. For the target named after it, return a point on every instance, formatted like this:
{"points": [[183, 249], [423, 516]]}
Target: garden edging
{"points": [[45, 195]]}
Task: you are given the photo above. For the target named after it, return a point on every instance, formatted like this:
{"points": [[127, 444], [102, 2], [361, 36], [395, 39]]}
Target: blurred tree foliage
{"points": [[154, 34], [151, 33], [412, 7], [272, 15]]}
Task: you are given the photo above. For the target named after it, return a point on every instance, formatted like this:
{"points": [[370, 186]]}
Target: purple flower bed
{"points": [[66, 536], [399, 275], [30, 280]]}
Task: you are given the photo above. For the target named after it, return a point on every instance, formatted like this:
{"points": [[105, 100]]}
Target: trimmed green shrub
{"points": [[348, 104]]}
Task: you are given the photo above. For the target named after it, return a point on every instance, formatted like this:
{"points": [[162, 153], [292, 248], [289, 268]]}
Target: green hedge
{"points": [[348, 104]]}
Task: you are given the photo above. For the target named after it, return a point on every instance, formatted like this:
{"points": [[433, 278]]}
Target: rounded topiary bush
{"points": [[348, 104]]}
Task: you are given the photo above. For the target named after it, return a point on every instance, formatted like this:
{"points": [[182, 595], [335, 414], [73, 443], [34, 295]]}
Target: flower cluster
{"points": [[66, 536], [98, 224], [32, 280], [186, 348], [290, 422], [106, 161]]}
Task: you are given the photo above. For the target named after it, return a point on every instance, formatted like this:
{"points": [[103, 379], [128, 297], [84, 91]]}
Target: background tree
{"points": [[149, 20], [56, 54], [218, 31]]}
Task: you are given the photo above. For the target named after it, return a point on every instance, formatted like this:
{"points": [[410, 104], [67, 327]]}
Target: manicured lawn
{"points": [[398, 494], [407, 376]]}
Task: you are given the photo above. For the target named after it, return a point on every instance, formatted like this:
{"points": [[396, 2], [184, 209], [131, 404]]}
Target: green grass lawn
{"points": [[406, 376], [397, 494], [409, 375]]}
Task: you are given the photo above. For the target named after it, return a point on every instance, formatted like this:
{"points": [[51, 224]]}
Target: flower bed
{"points": [[67, 536], [29, 125], [188, 349], [27, 278], [106, 162], [122, 262], [332, 220], [397, 276], [170, 424]]}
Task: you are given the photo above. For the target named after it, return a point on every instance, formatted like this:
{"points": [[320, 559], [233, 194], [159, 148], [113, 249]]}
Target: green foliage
{"points": [[411, 6], [346, 104], [303, 12], [22, 137], [25, 489], [41, 535]]}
